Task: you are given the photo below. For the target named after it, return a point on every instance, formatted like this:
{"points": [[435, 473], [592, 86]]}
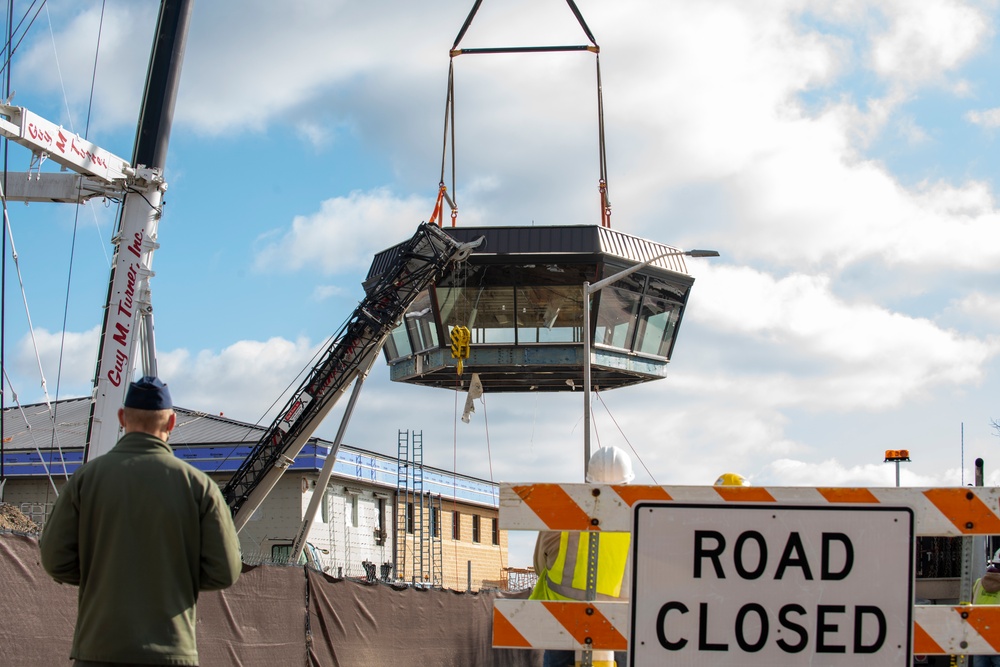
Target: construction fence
{"points": [[274, 615]]}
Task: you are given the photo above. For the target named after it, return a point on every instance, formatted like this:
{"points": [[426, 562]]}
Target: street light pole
{"points": [[589, 290]]}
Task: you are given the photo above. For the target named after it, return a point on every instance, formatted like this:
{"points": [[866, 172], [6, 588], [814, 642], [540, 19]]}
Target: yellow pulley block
{"points": [[460, 338]]}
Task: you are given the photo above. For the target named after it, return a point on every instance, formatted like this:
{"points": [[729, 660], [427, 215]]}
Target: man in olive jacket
{"points": [[141, 533]]}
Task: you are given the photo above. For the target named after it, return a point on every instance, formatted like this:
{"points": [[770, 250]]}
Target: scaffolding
{"points": [[418, 516], [437, 557], [421, 552], [402, 502]]}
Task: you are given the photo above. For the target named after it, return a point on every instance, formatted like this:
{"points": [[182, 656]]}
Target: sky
{"points": [[840, 155]]}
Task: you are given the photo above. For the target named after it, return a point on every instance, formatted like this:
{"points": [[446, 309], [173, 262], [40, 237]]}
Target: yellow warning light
{"points": [[897, 455]]}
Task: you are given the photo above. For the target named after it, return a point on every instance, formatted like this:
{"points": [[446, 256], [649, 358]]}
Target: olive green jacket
{"points": [[141, 533]]}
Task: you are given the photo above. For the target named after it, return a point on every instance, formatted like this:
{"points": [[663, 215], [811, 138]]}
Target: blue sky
{"points": [[842, 156]]}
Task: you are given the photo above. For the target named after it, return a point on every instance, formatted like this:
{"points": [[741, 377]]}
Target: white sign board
{"points": [[771, 585], [70, 149]]}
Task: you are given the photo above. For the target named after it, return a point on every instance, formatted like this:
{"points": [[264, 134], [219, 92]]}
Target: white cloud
{"points": [[863, 356], [831, 472], [65, 62], [980, 306], [339, 237], [924, 40], [77, 353], [324, 292], [988, 118], [243, 380]]}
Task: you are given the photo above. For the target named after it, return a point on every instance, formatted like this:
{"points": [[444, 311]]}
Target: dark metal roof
{"points": [[30, 426], [585, 241]]}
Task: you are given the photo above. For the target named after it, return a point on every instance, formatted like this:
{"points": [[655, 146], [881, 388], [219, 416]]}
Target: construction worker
{"points": [[561, 558], [986, 590], [731, 479]]}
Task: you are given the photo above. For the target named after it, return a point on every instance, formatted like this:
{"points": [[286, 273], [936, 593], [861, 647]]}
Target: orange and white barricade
{"points": [[601, 625]]}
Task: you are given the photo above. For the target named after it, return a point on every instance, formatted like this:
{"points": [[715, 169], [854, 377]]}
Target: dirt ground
{"points": [[12, 518]]}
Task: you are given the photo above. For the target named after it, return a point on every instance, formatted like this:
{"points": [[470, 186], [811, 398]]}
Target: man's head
{"points": [[148, 408], [994, 563], [610, 465]]}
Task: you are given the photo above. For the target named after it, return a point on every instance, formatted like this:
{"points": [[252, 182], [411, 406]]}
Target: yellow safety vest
{"points": [[980, 596], [567, 579]]}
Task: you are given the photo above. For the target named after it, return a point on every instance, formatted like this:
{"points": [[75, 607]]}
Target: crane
{"points": [[412, 268]]}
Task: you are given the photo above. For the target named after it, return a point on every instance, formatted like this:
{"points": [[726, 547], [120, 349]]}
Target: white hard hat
{"points": [[610, 465]]}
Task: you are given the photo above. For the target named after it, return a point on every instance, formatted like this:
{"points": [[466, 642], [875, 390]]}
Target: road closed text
{"points": [[760, 586]]}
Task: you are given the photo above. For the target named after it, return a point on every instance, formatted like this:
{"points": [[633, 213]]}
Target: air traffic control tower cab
{"points": [[520, 294]]}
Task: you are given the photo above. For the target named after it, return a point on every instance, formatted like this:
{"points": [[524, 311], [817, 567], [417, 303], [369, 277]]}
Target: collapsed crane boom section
{"points": [[418, 264]]}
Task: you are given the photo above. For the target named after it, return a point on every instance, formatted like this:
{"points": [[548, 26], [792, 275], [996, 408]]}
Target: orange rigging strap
{"points": [[437, 206]]}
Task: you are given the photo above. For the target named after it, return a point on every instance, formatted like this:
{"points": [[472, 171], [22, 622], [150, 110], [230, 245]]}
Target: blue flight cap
{"points": [[148, 393]]}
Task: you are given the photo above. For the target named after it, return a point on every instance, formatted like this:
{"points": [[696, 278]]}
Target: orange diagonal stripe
{"points": [[554, 506], [505, 634], [964, 509], [574, 617], [744, 494], [633, 494], [923, 642], [845, 495], [985, 621]]}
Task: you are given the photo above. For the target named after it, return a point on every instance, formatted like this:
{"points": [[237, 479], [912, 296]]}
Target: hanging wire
{"points": [[615, 421], [455, 516], [24, 295], [3, 252], [450, 105], [76, 215], [449, 124], [496, 498], [62, 83], [8, 48], [603, 183], [31, 329], [27, 426], [52, 408]]}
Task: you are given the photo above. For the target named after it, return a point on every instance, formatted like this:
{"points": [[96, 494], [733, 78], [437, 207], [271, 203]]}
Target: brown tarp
{"points": [[272, 616]]}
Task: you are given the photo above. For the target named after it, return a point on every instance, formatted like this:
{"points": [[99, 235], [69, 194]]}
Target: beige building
{"points": [[382, 517]]}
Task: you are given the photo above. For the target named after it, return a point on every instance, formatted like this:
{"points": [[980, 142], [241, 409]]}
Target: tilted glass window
{"points": [[616, 317], [657, 321]]}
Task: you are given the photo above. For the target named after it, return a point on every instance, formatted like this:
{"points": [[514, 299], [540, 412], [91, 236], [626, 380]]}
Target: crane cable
{"points": [[449, 124], [449, 114], [52, 409]]}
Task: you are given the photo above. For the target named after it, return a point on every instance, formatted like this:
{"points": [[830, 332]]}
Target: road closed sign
{"points": [[771, 585]]}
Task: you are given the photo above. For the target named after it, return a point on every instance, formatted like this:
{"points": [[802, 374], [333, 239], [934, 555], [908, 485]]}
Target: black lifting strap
{"points": [[449, 119], [525, 49]]}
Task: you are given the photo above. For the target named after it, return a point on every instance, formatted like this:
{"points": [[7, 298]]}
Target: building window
{"points": [[281, 553], [475, 528], [380, 525], [409, 518], [496, 530], [325, 507], [456, 526], [353, 517], [435, 522]]}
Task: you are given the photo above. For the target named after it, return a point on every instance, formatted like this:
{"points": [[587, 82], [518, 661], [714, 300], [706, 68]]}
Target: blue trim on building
{"points": [[351, 463]]}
